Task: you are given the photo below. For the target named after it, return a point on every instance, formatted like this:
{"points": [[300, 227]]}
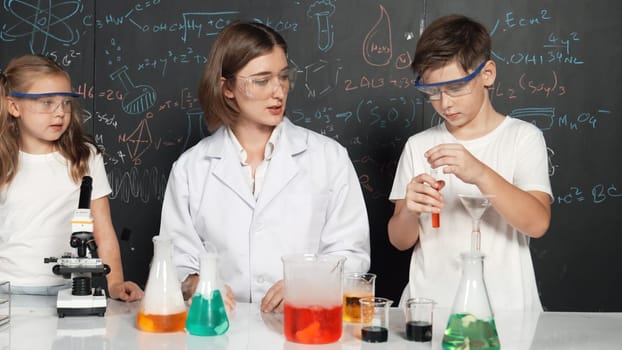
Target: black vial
{"points": [[374, 334], [418, 331]]}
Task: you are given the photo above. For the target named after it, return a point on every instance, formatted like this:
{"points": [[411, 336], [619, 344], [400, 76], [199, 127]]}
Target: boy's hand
{"points": [[455, 159]]}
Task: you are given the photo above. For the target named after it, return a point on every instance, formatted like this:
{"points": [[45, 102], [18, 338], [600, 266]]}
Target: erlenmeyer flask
{"points": [[471, 324], [162, 308], [207, 314]]}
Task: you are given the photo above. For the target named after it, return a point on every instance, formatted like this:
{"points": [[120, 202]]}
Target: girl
{"points": [[43, 156]]}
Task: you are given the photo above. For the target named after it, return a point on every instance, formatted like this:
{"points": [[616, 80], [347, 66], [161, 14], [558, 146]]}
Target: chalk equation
{"points": [[557, 47], [545, 118], [597, 194]]}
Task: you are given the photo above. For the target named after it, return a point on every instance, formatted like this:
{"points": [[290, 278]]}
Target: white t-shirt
{"points": [[516, 150], [35, 216]]}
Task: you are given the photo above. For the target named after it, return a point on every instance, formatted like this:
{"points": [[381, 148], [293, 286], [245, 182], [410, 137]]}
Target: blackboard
{"points": [[137, 65]]}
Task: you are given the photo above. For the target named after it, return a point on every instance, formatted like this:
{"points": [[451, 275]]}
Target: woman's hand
{"points": [[273, 300], [229, 299]]}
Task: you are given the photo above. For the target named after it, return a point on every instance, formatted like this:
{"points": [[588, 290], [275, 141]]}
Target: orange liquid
{"points": [[161, 323], [352, 307], [312, 325], [436, 220]]}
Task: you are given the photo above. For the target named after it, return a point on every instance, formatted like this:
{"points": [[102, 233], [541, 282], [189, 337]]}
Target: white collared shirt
{"points": [[255, 182], [311, 201]]}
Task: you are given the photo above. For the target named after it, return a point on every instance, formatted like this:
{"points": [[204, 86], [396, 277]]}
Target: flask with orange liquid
{"points": [[162, 308]]}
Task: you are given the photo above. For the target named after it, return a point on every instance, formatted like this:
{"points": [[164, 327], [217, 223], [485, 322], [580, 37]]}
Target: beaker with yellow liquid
{"points": [[162, 308], [356, 285]]}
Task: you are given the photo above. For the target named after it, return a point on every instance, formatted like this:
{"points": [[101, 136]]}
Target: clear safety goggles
{"points": [[48, 102], [452, 88], [262, 86]]}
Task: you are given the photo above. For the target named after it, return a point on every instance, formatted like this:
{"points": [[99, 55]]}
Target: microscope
{"points": [[81, 299]]}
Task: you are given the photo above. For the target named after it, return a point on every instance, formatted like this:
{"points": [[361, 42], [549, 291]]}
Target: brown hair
{"points": [[452, 38], [19, 76], [236, 45]]}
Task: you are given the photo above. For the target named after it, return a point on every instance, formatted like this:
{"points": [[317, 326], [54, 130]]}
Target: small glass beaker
{"points": [[356, 285], [375, 319], [5, 302], [313, 293], [418, 312]]}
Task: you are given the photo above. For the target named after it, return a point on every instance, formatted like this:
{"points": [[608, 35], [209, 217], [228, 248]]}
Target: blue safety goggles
{"points": [[45, 94], [48, 102], [453, 88]]}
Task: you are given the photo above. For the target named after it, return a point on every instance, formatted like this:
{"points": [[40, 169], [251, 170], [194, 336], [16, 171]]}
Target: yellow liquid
{"points": [[352, 307], [161, 323]]}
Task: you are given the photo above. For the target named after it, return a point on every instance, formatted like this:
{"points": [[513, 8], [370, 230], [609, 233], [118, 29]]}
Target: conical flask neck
{"points": [[209, 279], [472, 265], [209, 265], [162, 247], [472, 295]]}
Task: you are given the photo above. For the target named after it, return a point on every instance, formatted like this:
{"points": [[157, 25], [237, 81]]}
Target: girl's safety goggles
{"points": [[48, 102]]}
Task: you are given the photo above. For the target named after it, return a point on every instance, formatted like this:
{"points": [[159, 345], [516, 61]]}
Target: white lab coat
{"points": [[310, 202]]}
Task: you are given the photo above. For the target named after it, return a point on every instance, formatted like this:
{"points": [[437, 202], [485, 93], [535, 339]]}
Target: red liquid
{"points": [[436, 220], [312, 325]]}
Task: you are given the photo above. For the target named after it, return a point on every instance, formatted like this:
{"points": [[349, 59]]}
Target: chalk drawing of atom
{"points": [[42, 22]]}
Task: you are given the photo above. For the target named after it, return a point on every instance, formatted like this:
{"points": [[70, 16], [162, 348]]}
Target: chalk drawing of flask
{"points": [[196, 129], [136, 99]]}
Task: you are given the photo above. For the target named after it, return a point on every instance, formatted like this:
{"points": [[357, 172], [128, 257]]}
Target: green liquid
{"points": [[207, 316], [465, 331]]}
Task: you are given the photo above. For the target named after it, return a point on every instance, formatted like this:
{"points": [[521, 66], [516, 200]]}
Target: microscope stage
{"points": [[68, 304]]}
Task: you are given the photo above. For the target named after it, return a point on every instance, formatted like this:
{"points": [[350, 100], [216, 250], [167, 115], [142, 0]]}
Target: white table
{"points": [[35, 326]]}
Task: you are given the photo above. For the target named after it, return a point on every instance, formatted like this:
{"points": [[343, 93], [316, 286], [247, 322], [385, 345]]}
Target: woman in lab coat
{"points": [[259, 187]]}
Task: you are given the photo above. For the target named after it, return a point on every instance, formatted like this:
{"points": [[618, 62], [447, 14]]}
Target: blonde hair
{"points": [[19, 76]]}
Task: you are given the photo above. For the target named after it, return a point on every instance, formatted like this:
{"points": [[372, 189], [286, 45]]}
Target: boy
{"points": [[476, 150]]}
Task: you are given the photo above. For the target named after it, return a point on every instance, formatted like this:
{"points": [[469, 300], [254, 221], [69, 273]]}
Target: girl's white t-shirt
{"points": [[35, 216]]}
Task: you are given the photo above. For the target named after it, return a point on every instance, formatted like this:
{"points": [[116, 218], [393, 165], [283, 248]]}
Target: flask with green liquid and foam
{"points": [[471, 324], [207, 315]]}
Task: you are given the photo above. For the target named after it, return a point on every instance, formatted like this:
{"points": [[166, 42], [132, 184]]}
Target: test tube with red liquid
{"points": [[436, 220], [436, 217]]}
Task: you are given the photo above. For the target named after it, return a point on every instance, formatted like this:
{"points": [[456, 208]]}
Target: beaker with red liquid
{"points": [[313, 298]]}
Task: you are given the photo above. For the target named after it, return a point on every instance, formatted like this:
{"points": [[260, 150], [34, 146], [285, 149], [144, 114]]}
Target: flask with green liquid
{"points": [[471, 324], [207, 315]]}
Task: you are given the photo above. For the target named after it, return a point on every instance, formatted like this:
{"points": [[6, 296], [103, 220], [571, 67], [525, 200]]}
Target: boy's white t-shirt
{"points": [[517, 151], [35, 216]]}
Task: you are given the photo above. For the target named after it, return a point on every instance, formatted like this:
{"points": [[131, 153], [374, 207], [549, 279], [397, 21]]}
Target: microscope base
{"points": [[68, 304]]}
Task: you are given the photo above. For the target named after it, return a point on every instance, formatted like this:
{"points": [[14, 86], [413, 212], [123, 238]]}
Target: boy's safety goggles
{"points": [[453, 88]]}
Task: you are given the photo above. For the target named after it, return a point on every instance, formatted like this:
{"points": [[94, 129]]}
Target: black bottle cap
{"points": [[374, 334]]}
